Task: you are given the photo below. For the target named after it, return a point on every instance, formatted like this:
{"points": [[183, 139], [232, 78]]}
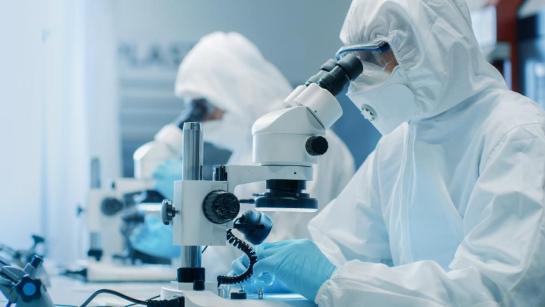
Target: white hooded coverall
{"points": [[449, 208], [229, 71]]}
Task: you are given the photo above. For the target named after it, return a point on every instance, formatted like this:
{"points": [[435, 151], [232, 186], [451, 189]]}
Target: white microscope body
{"points": [[282, 150], [286, 143]]}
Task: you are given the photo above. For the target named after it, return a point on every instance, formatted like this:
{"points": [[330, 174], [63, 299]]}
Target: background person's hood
{"points": [[229, 70], [433, 42]]}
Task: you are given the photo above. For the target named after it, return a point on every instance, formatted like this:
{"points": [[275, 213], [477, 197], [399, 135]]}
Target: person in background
{"points": [[228, 79]]}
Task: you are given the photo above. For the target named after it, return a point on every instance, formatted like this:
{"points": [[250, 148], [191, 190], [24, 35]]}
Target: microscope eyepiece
{"points": [[351, 65], [324, 69], [335, 75]]}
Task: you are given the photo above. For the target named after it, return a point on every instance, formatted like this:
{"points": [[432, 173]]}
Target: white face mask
{"points": [[386, 104], [227, 133]]}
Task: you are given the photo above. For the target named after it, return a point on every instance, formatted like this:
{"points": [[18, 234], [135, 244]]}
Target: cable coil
{"points": [[249, 251]]}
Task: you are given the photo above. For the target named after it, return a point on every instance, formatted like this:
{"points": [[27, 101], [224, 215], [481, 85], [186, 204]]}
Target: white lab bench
{"points": [[69, 291]]}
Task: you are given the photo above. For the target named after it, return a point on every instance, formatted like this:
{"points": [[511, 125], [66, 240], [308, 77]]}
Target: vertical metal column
{"points": [[95, 173], [95, 244], [192, 170]]}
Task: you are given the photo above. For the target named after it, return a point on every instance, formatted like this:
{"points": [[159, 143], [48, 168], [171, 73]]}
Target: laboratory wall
{"points": [[51, 96], [21, 120], [153, 36]]}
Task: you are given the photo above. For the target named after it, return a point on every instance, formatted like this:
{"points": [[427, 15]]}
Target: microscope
{"points": [[114, 210], [23, 286], [110, 257], [286, 143]]}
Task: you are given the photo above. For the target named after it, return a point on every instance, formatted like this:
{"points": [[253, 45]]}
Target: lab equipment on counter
{"points": [[286, 143], [106, 205], [21, 257], [109, 211], [22, 286], [110, 257]]}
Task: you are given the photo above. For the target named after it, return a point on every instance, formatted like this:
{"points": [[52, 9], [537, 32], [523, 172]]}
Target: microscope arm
{"points": [[165, 146]]}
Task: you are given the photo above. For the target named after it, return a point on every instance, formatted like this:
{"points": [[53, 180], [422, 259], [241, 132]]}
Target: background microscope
{"points": [[115, 209]]}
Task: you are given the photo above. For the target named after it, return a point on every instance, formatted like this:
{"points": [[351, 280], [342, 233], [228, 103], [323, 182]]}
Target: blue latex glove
{"points": [[154, 238], [298, 264], [239, 266], [165, 175]]}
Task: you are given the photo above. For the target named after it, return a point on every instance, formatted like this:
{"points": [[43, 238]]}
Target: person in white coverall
{"points": [[240, 85], [449, 208]]}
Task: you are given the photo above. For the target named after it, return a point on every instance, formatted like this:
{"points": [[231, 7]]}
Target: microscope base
{"points": [[111, 272], [208, 298]]}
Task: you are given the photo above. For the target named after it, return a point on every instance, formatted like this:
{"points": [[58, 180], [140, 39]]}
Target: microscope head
{"points": [[286, 195], [295, 136]]}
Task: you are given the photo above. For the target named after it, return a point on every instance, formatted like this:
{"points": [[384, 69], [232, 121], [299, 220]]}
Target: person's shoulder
{"points": [[516, 109], [511, 112], [511, 117]]}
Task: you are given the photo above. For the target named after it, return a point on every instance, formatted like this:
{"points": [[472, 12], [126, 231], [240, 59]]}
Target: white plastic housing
{"points": [[122, 186], [190, 226], [291, 99], [166, 145], [322, 104], [279, 137], [107, 228]]}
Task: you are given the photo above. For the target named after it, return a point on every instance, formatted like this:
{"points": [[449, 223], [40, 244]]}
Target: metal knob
{"points": [[220, 207], [168, 212], [316, 145], [28, 289], [111, 206]]}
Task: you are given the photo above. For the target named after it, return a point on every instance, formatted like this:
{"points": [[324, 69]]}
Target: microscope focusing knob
{"points": [[28, 288], [168, 211], [111, 206], [316, 145], [95, 253], [220, 207]]}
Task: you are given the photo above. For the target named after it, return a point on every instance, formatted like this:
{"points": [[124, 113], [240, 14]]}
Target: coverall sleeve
{"points": [[351, 226], [501, 260]]}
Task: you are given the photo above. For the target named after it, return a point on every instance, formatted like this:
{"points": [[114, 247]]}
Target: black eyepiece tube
{"points": [[328, 65], [335, 77], [324, 69], [351, 65]]}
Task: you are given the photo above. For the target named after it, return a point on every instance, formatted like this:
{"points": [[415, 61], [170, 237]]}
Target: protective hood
{"points": [[434, 44], [232, 74]]}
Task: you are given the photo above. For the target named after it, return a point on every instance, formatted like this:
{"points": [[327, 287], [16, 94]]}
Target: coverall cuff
{"points": [[323, 297]]}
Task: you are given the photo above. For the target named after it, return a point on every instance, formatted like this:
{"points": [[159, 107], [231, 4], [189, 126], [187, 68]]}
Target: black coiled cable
{"points": [[249, 251]]}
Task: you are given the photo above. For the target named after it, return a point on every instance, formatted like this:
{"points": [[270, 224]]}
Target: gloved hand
{"points": [[154, 238], [165, 175], [252, 285], [298, 264]]}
